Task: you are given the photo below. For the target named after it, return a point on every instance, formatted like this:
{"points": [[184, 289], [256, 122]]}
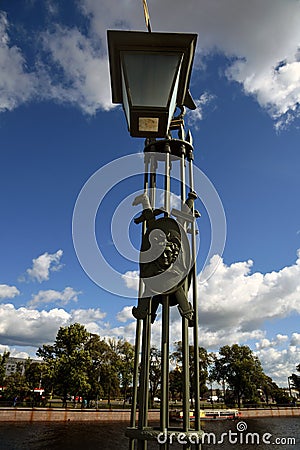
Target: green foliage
{"points": [[176, 385], [241, 370], [3, 360], [17, 387], [68, 361], [295, 379], [154, 373], [281, 396], [33, 373], [125, 352], [81, 364], [204, 361]]}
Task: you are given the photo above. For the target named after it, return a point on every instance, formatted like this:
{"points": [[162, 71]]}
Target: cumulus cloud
{"points": [[295, 339], [85, 69], [196, 116], [266, 343], [51, 296], [131, 279], [40, 327], [17, 84], [235, 303], [234, 306], [260, 40], [91, 318], [43, 265], [125, 314], [4, 348], [122, 332], [13, 352], [8, 291], [34, 327], [236, 299], [280, 358]]}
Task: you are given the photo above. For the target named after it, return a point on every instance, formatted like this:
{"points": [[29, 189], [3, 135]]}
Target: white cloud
{"points": [[4, 348], [122, 332], [81, 60], [125, 314], [260, 39], [234, 299], [51, 296], [295, 339], [235, 303], [234, 307], [111, 14], [131, 279], [196, 116], [43, 265], [17, 85], [8, 291], [13, 352], [84, 67], [278, 360], [91, 318], [266, 343], [36, 328], [33, 327]]}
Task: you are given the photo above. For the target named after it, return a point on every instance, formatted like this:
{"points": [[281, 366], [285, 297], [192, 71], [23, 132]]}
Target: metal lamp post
{"points": [[150, 75]]}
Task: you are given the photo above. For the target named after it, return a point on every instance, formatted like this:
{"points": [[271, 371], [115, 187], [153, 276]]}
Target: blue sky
{"points": [[58, 127]]}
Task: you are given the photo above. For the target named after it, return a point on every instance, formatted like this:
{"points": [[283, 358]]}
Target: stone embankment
{"points": [[115, 415], [270, 412]]}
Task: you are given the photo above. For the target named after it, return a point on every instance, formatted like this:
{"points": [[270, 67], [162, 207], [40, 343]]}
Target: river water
{"points": [[262, 433]]}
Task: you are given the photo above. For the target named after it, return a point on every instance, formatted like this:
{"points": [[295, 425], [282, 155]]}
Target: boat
{"points": [[207, 414]]}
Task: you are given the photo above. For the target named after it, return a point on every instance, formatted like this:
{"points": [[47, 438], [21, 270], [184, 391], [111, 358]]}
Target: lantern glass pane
{"points": [[150, 77], [125, 101], [173, 100]]}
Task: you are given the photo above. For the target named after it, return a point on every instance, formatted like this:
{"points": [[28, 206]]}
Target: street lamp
{"points": [[150, 75]]}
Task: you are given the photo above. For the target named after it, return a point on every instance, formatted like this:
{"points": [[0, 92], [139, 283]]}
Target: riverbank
{"points": [[115, 415]]}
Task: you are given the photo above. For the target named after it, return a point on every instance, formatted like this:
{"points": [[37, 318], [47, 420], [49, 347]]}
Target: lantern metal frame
{"points": [[121, 43]]}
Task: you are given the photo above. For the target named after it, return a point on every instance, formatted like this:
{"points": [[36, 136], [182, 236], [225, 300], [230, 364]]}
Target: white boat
{"points": [[208, 414]]}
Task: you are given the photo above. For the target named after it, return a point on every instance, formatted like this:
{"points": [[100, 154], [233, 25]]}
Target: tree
{"points": [[154, 373], [3, 361], [268, 388], [125, 352], [68, 361], [241, 370], [81, 364], [295, 379], [204, 361], [97, 349], [176, 385], [33, 373], [110, 371], [17, 387], [281, 396]]}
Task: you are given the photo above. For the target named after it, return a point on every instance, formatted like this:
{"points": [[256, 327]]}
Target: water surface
{"points": [[110, 436]]}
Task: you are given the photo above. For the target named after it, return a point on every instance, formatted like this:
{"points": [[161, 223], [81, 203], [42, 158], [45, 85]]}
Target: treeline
{"points": [[83, 365]]}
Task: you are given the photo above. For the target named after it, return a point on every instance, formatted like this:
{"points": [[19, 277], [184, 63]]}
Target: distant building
{"points": [[292, 392], [14, 364]]}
